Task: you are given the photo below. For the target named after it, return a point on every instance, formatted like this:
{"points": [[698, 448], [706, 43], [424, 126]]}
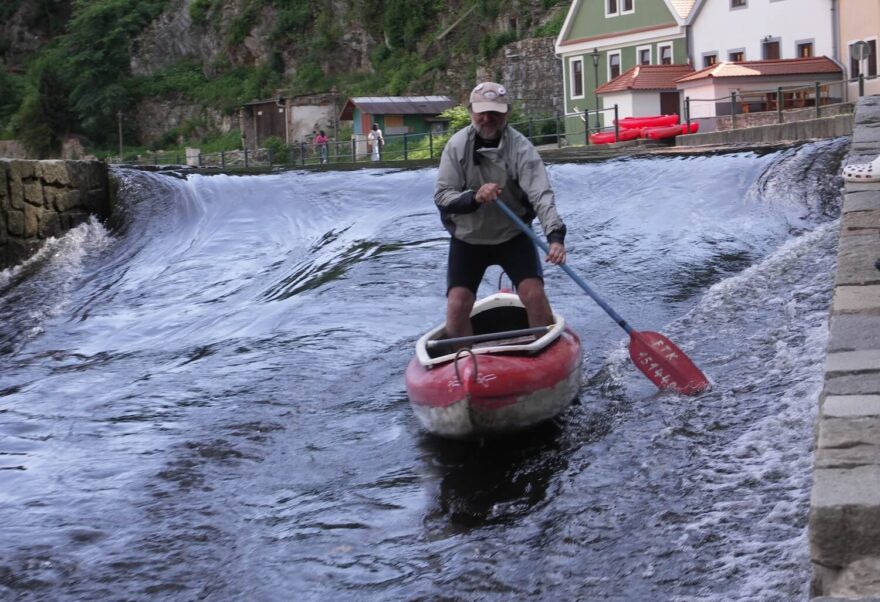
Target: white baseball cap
{"points": [[489, 96]]}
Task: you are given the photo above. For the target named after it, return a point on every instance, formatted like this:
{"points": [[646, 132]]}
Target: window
{"points": [[613, 65], [870, 63], [771, 50], [709, 59], [619, 7], [665, 54], [644, 55], [737, 55], [738, 3], [577, 78], [804, 49]]}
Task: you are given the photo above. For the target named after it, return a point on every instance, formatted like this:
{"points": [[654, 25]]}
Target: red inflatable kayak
{"points": [[607, 137], [503, 382], [647, 122]]}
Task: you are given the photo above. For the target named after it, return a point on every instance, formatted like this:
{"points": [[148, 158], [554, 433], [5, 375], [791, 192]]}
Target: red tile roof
{"points": [[805, 66], [646, 77]]}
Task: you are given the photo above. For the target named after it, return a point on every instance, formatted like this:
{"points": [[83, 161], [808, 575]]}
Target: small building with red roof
{"points": [[645, 90]]}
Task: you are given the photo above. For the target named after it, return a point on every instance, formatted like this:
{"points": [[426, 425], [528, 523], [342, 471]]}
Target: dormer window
{"points": [[619, 7]]}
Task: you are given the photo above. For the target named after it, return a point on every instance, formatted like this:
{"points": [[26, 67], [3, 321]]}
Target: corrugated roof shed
{"points": [[397, 105], [801, 66], [646, 77]]}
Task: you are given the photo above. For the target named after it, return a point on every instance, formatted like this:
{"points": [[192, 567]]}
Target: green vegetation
{"points": [[81, 81]]}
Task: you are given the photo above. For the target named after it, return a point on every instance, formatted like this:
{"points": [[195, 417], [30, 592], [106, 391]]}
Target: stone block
{"points": [[33, 192], [862, 200], [845, 515], [15, 223], [860, 220], [847, 457], [32, 220], [54, 172], [853, 331], [852, 299], [857, 256], [16, 191], [857, 581], [4, 185], [844, 433], [851, 406], [843, 362], [22, 170], [50, 225], [860, 383]]}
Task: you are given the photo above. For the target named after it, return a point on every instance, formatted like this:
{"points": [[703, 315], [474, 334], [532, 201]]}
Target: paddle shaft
{"points": [[572, 274]]}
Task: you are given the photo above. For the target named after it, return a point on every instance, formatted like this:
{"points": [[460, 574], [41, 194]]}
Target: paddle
{"points": [[657, 357]]}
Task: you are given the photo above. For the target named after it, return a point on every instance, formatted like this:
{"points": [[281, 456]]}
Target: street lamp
{"points": [[595, 56]]}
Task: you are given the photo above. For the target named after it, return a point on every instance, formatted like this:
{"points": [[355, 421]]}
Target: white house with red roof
{"points": [[756, 83]]}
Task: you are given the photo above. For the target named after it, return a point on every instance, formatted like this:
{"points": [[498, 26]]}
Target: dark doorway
{"points": [[669, 103]]}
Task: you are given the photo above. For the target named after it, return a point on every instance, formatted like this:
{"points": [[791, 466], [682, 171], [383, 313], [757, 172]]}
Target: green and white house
{"points": [[601, 39]]}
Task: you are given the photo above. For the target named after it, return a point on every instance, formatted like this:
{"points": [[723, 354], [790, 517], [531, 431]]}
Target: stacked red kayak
{"points": [[656, 127]]}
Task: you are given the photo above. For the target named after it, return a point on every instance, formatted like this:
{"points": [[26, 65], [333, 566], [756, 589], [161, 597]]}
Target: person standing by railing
{"points": [[376, 139], [320, 143]]}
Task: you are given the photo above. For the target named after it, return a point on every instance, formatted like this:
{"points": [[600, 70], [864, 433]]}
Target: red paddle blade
{"points": [[665, 364]]}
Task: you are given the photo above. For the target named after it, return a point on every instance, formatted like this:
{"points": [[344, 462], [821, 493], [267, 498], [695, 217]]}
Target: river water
{"points": [[205, 399]]}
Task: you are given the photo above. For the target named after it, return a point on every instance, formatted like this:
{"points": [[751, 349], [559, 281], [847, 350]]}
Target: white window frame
{"points": [[799, 43], [608, 56], [571, 77], [621, 10], [705, 55], [610, 14], [639, 50], [732, 50], [660, 48]]}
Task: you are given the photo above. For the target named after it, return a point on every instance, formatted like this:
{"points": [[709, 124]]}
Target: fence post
{"points": [[353, 150], [530, 131], [405, 147], [270, 156], [200, 159], [245, 158], [687, 112], [302, 153], [818, 108], [779, 102], [587, 126], [861, 84], [616, 125], [733, 110], [430, 144], [223, 159], [558, 137]]}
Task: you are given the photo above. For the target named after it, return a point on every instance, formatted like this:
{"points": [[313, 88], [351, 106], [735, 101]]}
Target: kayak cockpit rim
{"points": [[496, 301]]}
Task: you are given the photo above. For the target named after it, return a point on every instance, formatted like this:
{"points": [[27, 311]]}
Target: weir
{"points": [[43, 199]]}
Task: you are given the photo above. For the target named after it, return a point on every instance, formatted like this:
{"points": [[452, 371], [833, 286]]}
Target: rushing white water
{"points": [[204, 399]]}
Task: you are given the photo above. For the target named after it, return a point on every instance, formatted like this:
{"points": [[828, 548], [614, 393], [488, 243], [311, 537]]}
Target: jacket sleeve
{"points": [[450, 194]]}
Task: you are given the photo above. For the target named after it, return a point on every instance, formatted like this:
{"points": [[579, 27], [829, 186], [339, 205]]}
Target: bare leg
{"points": [[531, 293], [459, 303]]}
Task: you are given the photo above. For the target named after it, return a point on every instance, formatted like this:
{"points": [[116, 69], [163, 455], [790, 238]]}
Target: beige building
{"points": [[860, 22]]}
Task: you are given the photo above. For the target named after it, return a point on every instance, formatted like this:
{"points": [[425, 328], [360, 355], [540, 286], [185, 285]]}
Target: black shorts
{"points": [[467, 263]]}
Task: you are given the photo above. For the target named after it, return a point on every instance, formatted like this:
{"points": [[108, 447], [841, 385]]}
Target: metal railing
{"points": [[396, 148]]}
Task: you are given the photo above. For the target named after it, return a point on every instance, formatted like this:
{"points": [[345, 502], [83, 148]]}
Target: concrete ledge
{"points": [[823, 127], [844, 525]]}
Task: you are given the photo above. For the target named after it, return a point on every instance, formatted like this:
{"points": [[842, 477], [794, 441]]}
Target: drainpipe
{"points": [[835, 28]]}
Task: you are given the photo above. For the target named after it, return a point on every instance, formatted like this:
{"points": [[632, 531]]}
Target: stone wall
{"points": [[42, 199], [845, 501]]}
